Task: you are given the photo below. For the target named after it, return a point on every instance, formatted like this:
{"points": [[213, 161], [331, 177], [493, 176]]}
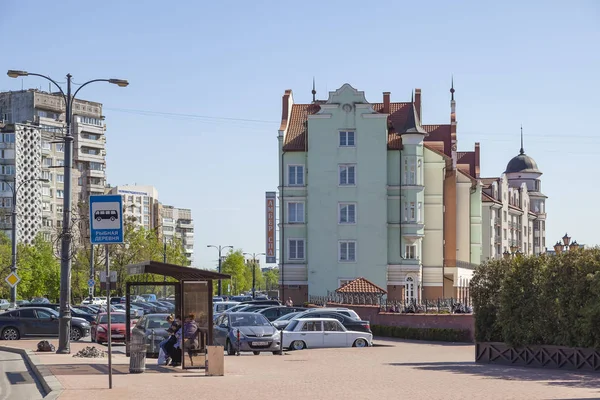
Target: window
{"points": [[409, 289], [46, 162], [46, 145], [347, 175], [96, 166], [46, 191], [505, 235], [60, 147], [347, 251], [410, 176], [8, 137], [296, 249], [41, 314], [146, 210], [296, 213], [347, 213], [25, 313], [60, 194], [47, 175], [419, 172], [332, 326], [7, 202], [419, 214], [412, 212], [411, 252], [60, 178], [60, 162], [296, 175], [347, 139], [312, 326]]}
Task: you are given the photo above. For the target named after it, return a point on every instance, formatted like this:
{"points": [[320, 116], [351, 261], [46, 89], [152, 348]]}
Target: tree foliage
{"points": [[235, 264], [545, 300]]}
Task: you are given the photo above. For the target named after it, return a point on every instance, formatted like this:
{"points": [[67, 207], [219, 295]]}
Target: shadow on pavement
{"points": [[550, 377], [119, 369]]}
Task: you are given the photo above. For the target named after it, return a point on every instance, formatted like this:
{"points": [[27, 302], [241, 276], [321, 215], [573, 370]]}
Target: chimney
{"points": [[477, 159], [386, 102], [418, 103]]}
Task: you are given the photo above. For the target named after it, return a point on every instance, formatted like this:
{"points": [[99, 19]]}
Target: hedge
{"points": [[428, 334], [539, 300]]}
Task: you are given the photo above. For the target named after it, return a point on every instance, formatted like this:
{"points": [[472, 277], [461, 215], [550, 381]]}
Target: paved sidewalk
{"points": [[16, 380], [395, 369]]}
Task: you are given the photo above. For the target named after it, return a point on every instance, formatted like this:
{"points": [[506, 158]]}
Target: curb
{"points": [[49, 382]]}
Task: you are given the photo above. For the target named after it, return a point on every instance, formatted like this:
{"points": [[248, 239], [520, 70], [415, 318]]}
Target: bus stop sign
{"points": [[106, 219]]}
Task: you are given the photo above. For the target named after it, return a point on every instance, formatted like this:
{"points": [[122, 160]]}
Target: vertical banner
{"points": [[270, 227]]}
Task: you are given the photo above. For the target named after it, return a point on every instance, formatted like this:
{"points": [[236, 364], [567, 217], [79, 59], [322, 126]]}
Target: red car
{"points": [[117, 327]]}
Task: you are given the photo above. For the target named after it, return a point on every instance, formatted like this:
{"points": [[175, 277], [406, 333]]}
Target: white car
{"points": [[222, 306], [322, 332]]}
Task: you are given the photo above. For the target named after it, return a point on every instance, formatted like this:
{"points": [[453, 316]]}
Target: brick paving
{"points": [[395, 369]]}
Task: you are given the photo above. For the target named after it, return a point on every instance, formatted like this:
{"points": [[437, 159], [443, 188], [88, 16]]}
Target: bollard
{"points": [[238, 343]]}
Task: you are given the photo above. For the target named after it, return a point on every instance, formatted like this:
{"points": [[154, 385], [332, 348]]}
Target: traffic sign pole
{"points": [[92, 272], [108, 334]]}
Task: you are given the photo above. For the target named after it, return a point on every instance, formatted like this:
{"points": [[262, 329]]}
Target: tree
{"points": [[235, 265], [272, 279]]}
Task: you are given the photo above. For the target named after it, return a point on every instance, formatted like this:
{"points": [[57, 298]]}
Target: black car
{"points": [[262, 302], [150, 308], [352, 324], [272, 313], [75, 312], [38, 321], [253, 307]]}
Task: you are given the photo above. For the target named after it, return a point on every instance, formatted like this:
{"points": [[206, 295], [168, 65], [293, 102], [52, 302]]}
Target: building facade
{"points": [[514, 210], [178, 223], [366, 190], [140, 204]]}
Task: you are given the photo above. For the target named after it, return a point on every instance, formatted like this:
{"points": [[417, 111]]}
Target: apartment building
{"points": [[178, 223], [45, 113], [140, 204], [366, 190]]}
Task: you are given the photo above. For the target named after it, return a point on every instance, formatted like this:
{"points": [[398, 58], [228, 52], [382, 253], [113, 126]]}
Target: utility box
{"points": [[215, 361]]}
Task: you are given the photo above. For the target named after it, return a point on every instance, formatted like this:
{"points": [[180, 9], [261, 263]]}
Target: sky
{"points": [[199, 119]]}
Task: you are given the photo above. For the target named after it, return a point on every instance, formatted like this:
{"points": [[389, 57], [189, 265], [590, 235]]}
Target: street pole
{"points": [[92, 272], [164, 261], [13, 266], [64, 327], [108, 331], [220, 249], [254, 260]]}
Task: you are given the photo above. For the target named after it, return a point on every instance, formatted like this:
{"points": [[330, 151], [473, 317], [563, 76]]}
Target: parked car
{"points": [[19, 303], [261, 302], [75, 312], [217, 299], [254, 307], [283, 321], [40, 300], [342, 310], [241, 298], [38, 321], [134, 312], [118, 328], [151, 308], [149, 297], [246, 332], [4, 304], [222, 306], [273, 313], [322, 332], [165, 304], [115, 300], [349, 323], [153, 329]]}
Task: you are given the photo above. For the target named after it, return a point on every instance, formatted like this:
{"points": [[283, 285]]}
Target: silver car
{"points": [[245, 331], [4, 304]]}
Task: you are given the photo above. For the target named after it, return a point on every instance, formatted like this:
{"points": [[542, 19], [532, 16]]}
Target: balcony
{"points": [[81, 156], [95, 143], [185, 225], [497, 221], [95, 173]]}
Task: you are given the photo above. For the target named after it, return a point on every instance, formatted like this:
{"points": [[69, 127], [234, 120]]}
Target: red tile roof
{"points": [[360, 285], [466, 161], [440, 133]]}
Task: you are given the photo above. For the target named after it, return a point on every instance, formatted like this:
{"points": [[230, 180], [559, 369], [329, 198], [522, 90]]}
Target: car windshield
{"points": [[249, 320], [114, 318], [289, 316], [237, 308], [79, 310]]}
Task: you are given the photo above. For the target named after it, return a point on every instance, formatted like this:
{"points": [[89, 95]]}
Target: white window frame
{"points": [[410, 288], [60, 178], [343, 138], [410, 252], [60, 194], [410, 171], [412, 211], [289, 247], [340, 213], [347, 243], [295, 166], [295, 220], [342, 167]]}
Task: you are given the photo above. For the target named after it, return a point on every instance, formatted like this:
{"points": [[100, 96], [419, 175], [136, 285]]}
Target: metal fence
{"points": [[406, 306]]}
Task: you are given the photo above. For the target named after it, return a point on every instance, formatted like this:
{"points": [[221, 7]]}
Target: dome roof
{"points": [[522, 163]]}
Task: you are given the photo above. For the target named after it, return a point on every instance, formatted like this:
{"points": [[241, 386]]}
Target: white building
{"points": [[140, 204], [514, 212], [178, 223]]}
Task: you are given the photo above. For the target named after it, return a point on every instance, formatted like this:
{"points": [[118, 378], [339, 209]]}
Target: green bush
{"points": [[541, 300], [429, 334]]}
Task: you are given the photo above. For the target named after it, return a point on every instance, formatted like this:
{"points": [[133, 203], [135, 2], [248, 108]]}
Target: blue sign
{"points": [[91, 283], [106, 217]]}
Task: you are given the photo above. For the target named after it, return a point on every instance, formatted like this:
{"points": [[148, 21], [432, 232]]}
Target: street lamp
{"points": [[514, 251], [13, 267], [254, 259], [566, 244], [65, 260], [220, 248]]}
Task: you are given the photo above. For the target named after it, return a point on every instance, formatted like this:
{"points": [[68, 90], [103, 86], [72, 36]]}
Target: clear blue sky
{"points": [[534, 63]]}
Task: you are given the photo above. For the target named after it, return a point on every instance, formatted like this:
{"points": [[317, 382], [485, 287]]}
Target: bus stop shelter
{"points": [[193, 294]]}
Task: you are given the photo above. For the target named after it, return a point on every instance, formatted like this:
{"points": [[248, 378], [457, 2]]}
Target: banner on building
{"points": [[271, 197]]}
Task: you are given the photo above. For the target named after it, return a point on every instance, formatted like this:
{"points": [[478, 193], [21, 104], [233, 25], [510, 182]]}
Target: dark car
{"points": [[352, 324], [273, 313], [75, 312], [151, 308], [38, 321], [263, 302], [151, 329], [253, 307], [244, 331], [116, 300], [283, 321]]}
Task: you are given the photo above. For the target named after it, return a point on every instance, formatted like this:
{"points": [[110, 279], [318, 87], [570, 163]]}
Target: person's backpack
{"points": [[45, 345]]}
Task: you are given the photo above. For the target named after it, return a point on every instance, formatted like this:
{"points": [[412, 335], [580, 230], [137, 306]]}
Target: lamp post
{"points": [[566, 244], [64, 327], [13, 266], [220, 248], [254, 259], [514, 251]]}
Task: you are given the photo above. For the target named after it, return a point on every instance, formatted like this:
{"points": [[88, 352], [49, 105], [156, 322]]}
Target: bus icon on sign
{"points": [[99, 215]]}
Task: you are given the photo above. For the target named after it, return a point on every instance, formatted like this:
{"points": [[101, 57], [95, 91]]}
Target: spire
{"points": [[412, 124], [452, 88], [522, 151], [314, 91]]}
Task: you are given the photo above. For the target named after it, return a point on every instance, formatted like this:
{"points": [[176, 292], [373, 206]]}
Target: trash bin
{"points": [[137, 354], [215, 361]]}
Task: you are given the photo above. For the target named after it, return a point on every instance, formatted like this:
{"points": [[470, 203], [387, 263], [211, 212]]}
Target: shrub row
{"points": [[539, 300], [429, 334]]}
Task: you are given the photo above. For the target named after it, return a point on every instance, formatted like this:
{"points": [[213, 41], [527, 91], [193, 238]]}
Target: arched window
{"points": [[409, 288]]}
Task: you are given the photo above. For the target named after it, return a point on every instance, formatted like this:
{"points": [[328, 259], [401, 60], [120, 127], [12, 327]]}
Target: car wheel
{"points": [[256, 353], [360, 343], [298, 345], [11, 333], [76, 334], [229, 348]]}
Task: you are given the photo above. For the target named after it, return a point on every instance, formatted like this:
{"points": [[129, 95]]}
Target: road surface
{"points": [[16, 380]]}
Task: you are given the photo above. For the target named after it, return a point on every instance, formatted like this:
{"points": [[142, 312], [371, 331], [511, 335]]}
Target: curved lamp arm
{"points": [[85, 84], [51, 80]]}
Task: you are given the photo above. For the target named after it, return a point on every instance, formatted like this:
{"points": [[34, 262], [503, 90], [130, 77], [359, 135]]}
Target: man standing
{"points": [[289, 302]]}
